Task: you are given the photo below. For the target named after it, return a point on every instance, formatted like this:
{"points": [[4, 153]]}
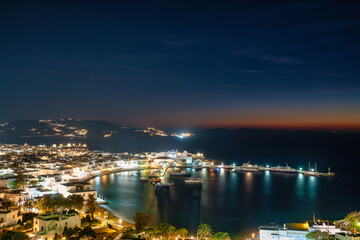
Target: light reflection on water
{"points": [[230, 201]]}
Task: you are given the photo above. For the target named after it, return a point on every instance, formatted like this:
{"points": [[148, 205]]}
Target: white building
{"points": [[296, 231], [49, 226], [17, 196], [78, 188], [9, 217], [324, 227]]}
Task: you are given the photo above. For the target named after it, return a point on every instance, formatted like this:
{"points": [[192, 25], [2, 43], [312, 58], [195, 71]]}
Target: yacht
{"points": [[283, 169], [193, 180], [247, 167]]}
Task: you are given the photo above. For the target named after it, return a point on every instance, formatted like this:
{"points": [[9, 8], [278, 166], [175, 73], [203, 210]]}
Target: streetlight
{"points": [[120, 221]]}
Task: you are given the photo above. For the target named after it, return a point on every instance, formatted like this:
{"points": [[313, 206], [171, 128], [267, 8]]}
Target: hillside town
{"points": [[45, 194]]}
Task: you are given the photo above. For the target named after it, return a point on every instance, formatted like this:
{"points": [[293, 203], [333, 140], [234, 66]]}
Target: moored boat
{"points": [[193, 180], [247, 167], [283, 169], [183, 173], [154, 179]]}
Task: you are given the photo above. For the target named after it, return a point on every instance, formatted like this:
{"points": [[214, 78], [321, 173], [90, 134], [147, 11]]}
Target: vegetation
{"points": [[7, 204], [78, 233], [28, 219], [19, 182], [164, 231], [221, 236], [14, 235], [204, 231], [29, 204], [91, 205], [142, 221], [182, 232], [128, 232], [75, 202], [354, 220], [317, 235], [59, 203]]}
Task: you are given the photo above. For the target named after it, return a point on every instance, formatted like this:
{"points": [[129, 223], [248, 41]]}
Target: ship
{"points": [[193, 180], [183, 173], [283, 169], [247, 167], [312, 172]]}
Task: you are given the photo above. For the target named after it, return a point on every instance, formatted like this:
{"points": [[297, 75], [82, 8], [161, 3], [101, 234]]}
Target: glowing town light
{"points": [[300, 169]]}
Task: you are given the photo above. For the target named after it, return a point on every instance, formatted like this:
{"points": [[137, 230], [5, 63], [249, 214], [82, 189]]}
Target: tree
{"points": [[142, 221], [14, 235], [314, 235], [71, 233], [52, 203], [88, 232], [7, 204], [221, 236], [354, 219], [128, 232], [204, 231], [164, 231], [182, 232], [19, 181], [75, 202], [91, 205], [59, 202], [29, 204]]}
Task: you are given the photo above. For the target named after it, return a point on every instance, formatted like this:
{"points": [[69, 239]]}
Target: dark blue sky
{"points": [[285, 64]]}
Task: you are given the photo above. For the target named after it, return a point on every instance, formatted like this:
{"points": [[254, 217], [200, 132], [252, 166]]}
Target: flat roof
{"points": [[297, 226], [54, 216]]}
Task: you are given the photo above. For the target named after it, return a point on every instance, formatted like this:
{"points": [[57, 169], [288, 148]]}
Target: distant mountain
{"points": [[79, 128]]}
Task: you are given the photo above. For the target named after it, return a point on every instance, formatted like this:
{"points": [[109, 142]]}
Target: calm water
{"points": [[235, 202], [230, 201]]}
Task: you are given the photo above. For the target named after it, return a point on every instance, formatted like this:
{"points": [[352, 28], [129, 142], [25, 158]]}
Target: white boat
{"points": [[193, 180], [247, 167], [144, 179], [283, 169], [183, 173]]}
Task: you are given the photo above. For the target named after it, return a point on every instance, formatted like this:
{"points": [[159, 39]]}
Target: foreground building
{"points": [[9, 217], [296, 231], [50, 226]]}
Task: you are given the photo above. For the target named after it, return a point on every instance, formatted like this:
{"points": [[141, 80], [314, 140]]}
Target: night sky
{"points": [[285, 64]]}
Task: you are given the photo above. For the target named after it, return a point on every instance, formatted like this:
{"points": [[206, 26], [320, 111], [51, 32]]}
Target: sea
{"points": [[237, 203]]}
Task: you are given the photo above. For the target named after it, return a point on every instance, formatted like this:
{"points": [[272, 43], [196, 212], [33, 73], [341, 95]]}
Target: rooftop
{"points": [[55, 216], [297, 226]]}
